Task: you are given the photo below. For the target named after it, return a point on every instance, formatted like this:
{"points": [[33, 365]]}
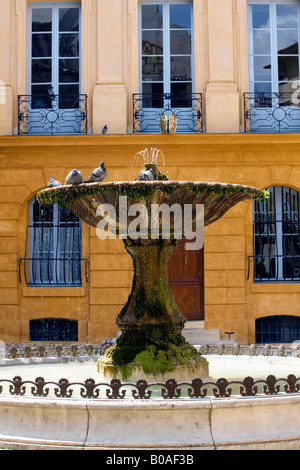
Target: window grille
{"points": [[53, 329], [277, 236], [277, 329], [54, 246]]}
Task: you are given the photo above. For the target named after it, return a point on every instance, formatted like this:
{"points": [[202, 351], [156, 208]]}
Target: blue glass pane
{"points": [[180, 16], [260, 16]]}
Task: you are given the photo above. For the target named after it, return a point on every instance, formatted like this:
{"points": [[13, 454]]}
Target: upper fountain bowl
{"points": [[84, 199]]}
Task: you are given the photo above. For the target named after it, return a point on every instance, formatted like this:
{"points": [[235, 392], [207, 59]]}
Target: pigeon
{"points": [[74, 177], [146, 175], [98, 175], [104, 130], [53, 183], [51, 93]]}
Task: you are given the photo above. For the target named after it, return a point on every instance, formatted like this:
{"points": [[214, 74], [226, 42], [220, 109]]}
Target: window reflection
{"points": [[261, 42], [287, 16], [287, 42], [42, 45], [69, 19], [260, 16], [69, 45], [180, 16], [42, 19], [152, 17]]}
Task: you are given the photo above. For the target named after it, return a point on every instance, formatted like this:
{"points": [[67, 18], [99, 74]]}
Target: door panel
{"points": [[186, 280]]}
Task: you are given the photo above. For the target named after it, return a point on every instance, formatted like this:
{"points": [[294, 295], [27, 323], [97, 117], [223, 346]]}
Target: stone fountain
{"points": [[151, 344]]}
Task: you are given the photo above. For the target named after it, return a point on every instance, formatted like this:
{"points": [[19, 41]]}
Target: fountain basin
{"points": [[237, 423], [225, 424]]}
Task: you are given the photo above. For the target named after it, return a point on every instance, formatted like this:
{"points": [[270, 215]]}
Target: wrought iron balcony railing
{"points": [[148, 109], [272, 112], [52, 114]]}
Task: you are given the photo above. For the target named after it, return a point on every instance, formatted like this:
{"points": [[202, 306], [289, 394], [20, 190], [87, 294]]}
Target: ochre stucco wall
{"points": [[110, 74], [231, 301]]}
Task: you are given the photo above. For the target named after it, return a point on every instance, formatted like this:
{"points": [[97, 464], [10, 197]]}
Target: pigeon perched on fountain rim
{"points": [[98, 175], [53, 183], [146, 175], [74, 177]]}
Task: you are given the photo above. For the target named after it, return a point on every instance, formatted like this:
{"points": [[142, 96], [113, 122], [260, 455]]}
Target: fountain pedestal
{"points": [[151, 323]]}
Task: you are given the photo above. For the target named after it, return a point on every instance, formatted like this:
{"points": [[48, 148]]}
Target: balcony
{"points": [[271, 112], [52, 114], [148, 109]]}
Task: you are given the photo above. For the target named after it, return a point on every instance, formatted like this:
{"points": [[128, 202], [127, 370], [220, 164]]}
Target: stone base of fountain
{"points": [[108, 372]]}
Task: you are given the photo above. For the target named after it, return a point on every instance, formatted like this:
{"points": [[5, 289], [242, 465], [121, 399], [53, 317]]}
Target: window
{"points": [[274, 65], [273, 46], [277, 236], [166, 53], [166, 64], [53, 329], [277, 329], [54, 69], [55, 246]]}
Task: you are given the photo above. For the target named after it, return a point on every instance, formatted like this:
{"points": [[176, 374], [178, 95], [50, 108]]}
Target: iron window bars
{"points": [[277, 329], [271, 112], [149, 108], [52, 114], [53, 329], [276, 234], [53, 250]]}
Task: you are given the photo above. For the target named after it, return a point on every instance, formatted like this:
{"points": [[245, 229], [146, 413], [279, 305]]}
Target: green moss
{"points": [[65, 195], [156, 361], [154, 304], [155, 348]]}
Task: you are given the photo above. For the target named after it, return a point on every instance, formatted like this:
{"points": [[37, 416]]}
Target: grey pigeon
{"points": [[98, 175], [53, 183], [104, 130], [50, 92], [146, 175], [74, 177]]}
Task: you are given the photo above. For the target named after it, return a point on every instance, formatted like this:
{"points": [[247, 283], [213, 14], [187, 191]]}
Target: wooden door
{"points": [[186, 279]]}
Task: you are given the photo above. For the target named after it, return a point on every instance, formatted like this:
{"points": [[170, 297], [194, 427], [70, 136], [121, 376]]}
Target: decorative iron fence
{"points": [[222, 388], [52, 114], [149, 108], [271, 112], [170, 389]]}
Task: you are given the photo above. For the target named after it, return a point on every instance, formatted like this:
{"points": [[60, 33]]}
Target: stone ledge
{"points": [[215, 424]]}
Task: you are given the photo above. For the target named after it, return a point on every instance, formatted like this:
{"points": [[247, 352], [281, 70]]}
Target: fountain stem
{"points": [[151, 300]]}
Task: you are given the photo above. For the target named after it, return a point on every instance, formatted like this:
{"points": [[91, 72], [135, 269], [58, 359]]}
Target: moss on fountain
{"points": [[65, 195], [155, 349]]}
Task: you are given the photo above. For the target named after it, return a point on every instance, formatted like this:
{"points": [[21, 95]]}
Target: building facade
{"points": [[229, 71]]}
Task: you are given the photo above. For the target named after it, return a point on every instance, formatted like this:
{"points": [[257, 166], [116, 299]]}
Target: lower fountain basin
{"points": [[259, 423]]}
